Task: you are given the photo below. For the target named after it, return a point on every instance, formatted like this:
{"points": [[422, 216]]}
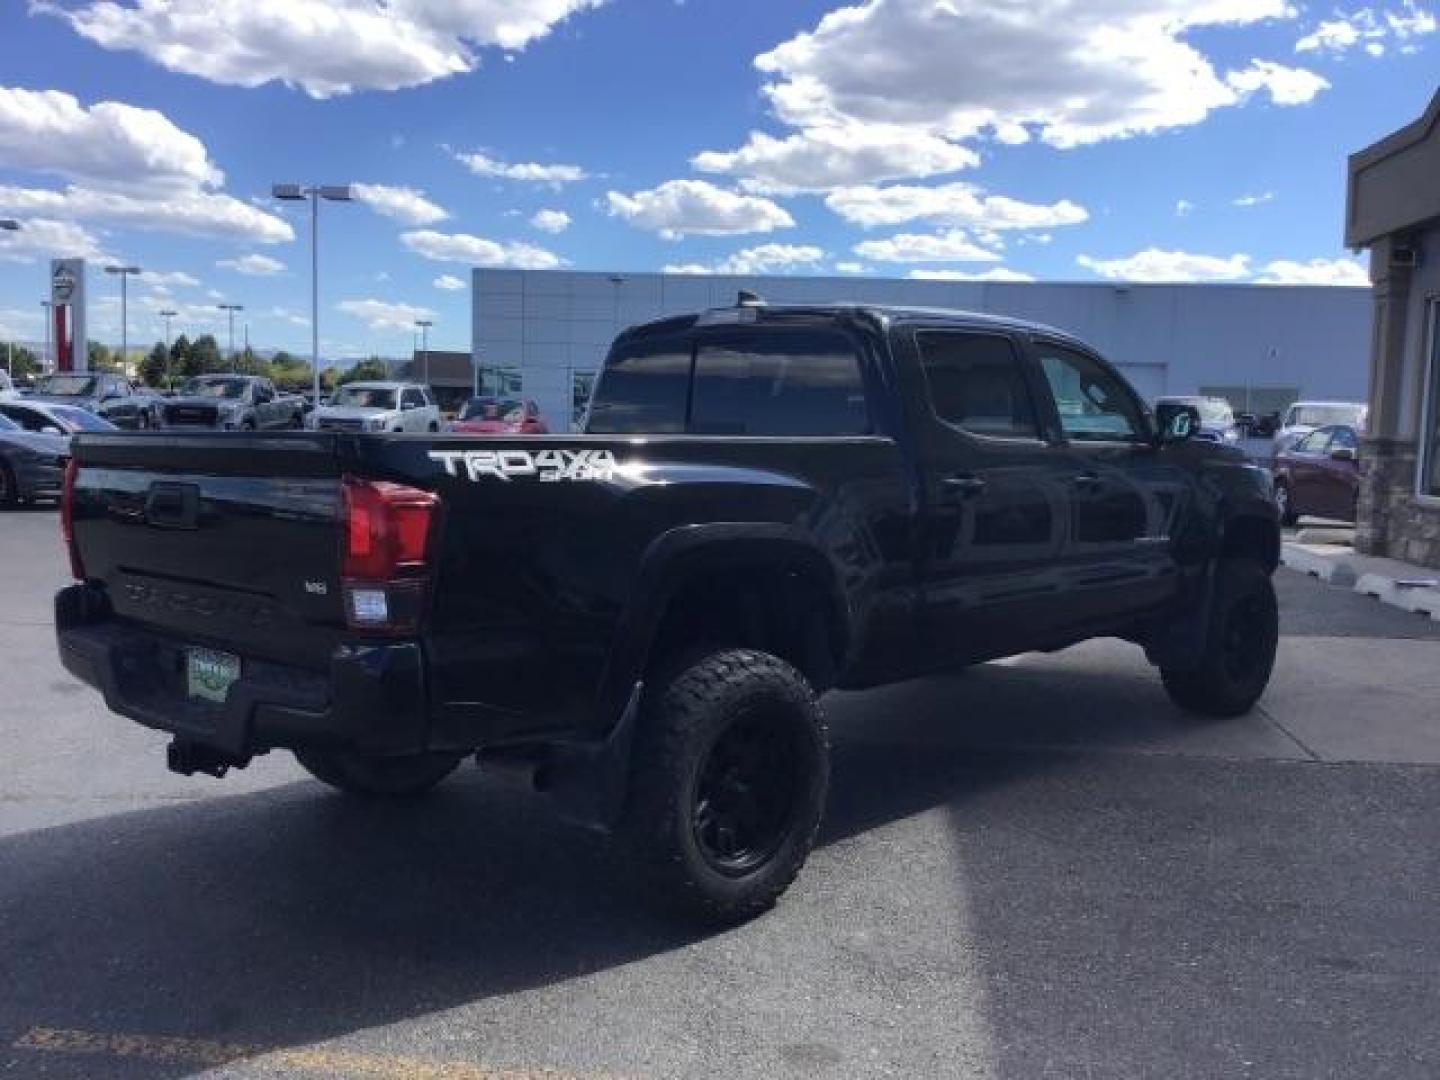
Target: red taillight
{"points": [[67, 521], [384, 557]]}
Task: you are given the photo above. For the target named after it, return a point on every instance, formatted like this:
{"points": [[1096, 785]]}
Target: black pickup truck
{"points": [[768, 502]]}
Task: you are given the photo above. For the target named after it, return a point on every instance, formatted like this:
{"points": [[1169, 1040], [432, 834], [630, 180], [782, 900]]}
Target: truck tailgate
{"points": [[226, 540]]}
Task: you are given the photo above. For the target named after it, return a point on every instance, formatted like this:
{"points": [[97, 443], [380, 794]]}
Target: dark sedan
{"points": [[1319, 475], [32, 466]]}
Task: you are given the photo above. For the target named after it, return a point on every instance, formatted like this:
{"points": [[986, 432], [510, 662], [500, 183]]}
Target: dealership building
{"points": [[544, 333]]}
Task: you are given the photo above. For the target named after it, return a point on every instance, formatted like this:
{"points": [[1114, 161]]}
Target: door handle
{"points": [[1088, 481], [965, 485]]}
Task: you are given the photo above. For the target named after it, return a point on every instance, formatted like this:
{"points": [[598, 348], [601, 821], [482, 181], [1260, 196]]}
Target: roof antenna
{"points": [[746, 298]]}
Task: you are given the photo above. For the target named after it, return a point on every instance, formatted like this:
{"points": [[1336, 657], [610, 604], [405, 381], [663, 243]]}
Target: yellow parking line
{"points": [[209, 1052]]}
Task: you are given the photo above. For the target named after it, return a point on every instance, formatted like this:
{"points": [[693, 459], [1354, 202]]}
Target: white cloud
{"points": [[954, 245], [1371, 28], [449, 283], [401, 203], [43, 238], [949, 204], [679, 208], [194, 213], [1285, 85], [384, 315], [161, 281], [823, 158], [253, 265], [762, 259], [1184, 207], [478, 251], [109, 144], [551, 221], [1155, 264], [326, 47], [1069, 72], [284, 314], [530, 172], [995, 273], [1254, 200], [1314, 272], [850, 268]]}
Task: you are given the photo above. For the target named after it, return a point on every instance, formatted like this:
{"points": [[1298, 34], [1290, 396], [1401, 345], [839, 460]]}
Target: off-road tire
{"points": [[705, 728], [1284, 503], [1240, 642], [377, 777]]}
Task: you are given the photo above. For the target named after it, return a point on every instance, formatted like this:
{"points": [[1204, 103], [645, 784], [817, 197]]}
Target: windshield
{"points": [[215, 388], [1324, 415], [507, 410], [1215, 412], [363, 397], [75, 419], [66, 385]]}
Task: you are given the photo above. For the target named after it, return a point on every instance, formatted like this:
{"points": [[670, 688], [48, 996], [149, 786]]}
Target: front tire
{"points": [[729, 780], [1240, 644], [9, 487], [377, 777]]}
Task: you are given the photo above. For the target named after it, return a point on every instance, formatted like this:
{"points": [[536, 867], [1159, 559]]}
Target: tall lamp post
{"points": [[424, 325], [230, 310], [314, 192], [167, 315], [125, 272]]}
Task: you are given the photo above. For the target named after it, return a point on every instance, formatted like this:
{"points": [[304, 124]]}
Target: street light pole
{"points": [[124, 272], [230, 309], [424, 325], [167, 315], [45, 306], [315, 192]]}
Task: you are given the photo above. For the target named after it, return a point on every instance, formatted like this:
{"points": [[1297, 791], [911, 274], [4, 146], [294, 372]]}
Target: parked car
{"points": [[1319, 475], [51, 419], [112, 396], [493, 415], [1217, 418], [32, 465], [378, 406], [640, 618], [232, 403], [1305, 416]]}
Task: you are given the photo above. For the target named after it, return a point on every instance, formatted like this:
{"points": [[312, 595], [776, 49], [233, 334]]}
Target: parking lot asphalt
{"points": [[1035, 868]]}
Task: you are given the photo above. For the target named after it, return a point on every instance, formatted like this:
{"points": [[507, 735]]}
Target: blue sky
{"points": [[1050, 139]]}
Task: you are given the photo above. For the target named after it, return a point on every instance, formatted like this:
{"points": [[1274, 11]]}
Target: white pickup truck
{"points": [[378, 406]]}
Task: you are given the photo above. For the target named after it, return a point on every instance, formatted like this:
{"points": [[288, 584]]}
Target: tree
{"points": [[206, 355], [22, 361], [99, 354], [182, 360], [155, 365], [365, 370]]}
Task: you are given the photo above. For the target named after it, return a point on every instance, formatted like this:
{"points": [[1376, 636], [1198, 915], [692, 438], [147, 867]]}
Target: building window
{"points": [[1429, 475]]}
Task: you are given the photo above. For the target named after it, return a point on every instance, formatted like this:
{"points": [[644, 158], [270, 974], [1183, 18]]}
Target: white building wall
{"points": [[1171, 339]]}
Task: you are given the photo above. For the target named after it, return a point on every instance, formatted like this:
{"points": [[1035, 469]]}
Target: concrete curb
{"points": [[1390, 582]]}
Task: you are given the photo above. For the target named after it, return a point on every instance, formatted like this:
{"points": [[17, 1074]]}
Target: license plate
{"points": [[209, 674]]}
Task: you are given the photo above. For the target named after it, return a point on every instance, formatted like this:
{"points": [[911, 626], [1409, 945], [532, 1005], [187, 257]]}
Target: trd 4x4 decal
{"points": [[545, 465]]}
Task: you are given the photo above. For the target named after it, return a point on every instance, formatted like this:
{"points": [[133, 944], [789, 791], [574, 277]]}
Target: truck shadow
{"points": [[292, 915]]}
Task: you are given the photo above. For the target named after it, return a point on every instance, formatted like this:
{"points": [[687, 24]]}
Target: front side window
{"points": [[977, 384], [779, 382], [414, 399], [643, 388], [1344, 439], [1314, 443], [1094, 404]]}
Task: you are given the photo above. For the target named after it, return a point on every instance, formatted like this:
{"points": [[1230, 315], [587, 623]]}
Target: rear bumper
{"points": [[372, 698]]}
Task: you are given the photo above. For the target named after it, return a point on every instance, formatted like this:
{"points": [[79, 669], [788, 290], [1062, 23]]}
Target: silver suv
{"points": [[378, 406]]}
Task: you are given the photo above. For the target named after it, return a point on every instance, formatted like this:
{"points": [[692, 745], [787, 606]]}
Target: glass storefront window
{"points": [[1430, 437]]}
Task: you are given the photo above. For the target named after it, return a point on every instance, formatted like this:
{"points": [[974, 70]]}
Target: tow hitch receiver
{"points": [[187, 758]]}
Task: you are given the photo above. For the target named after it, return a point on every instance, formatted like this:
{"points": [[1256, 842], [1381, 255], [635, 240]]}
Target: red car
{"points": [[1319, 475], [500, 416]]}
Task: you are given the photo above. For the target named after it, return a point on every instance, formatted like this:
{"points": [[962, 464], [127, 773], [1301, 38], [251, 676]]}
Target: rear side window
{"points": [[779, 382], [642, 389], [414, 399], [976, 384]]}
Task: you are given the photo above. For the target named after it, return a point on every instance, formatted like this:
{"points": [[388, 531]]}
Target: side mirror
{"points": [[1176, 422], [1343, 453]]}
